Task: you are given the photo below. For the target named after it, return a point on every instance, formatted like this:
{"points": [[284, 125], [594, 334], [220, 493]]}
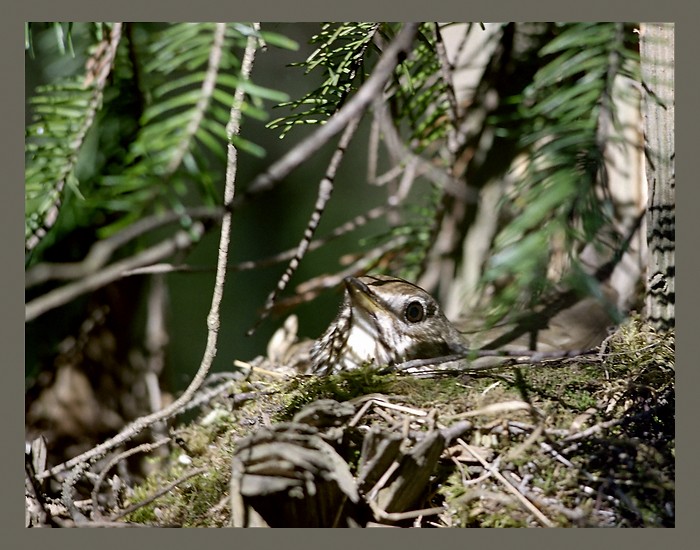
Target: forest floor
{"points": [[583, 441]]}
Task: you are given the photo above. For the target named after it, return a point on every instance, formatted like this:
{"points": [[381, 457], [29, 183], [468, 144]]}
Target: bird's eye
{"points": [[415, 312]]}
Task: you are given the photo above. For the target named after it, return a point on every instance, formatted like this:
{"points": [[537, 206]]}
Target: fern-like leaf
{"points": [[191, 79], [63, 113], [557, 198], [341, 54]]}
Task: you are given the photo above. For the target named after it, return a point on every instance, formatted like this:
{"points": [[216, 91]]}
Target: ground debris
{"points": [[585, 441]]}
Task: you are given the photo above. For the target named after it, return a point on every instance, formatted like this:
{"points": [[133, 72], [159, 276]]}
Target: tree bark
{"points": [[657, 63]]}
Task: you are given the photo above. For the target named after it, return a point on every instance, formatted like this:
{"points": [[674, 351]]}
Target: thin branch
{"points": [[156, 342], [357, 105], [213, 320], [286, 255], [67, 489], [400, 516], [451, 185], [515, 357], [145, 448], [544, 520], [325, 189], [347, 227], [101, 251], [462, 44], [62, 295]]}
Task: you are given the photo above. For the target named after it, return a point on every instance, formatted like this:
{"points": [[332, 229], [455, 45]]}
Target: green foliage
{"points": [[562, 128], [63, 37], [150, 135], [156, 137], [182, 132], [341, 56], [62, 114], [418, 95], [419, 101]]}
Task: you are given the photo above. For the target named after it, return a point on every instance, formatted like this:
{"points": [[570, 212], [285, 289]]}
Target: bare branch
{"points": [[144, 448], [212, 319], [324, 194], [102, 250], [357, 105], [62, 295]]}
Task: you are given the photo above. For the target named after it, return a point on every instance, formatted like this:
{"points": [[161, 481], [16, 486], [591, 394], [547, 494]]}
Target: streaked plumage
{"points": [[384, 320]]}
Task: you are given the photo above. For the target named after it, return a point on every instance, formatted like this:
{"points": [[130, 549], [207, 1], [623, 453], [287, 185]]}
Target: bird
{"points": [[384, 320]]}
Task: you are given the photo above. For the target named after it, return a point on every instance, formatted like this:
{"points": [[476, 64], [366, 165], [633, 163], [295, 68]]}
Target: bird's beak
{"points": [[360, 294]]}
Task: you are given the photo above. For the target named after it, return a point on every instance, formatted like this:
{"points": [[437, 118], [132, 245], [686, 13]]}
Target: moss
{"points": [[621, 473], [341, 387]]}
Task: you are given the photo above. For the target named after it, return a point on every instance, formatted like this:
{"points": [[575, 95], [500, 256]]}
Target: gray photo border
{"points": [[11, 205]]}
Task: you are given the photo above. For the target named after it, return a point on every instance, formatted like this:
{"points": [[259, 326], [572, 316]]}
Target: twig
{"points": [[213, 319], [400, 408], [353, 108], [156, 341], [498, 408], [594, 429], [102, 250], [508, 485], [451, 185], [67, 493], [462, 44], [350, 225], [514, 356], [324, 194], [207, 395], [400, 516], [146, 447], [62, 295], [557, 456]]}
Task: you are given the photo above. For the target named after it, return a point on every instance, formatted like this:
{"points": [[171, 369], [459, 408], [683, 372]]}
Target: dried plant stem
{"points": [[213, 320], [544, 520], [101, 251], [144, 448], [324, 194], [62, 295]]}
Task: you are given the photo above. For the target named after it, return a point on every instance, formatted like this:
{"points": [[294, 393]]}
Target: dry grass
{"points": [[588, 441]]}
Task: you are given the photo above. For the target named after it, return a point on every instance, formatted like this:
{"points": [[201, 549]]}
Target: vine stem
{"points": [[213, 319]]}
